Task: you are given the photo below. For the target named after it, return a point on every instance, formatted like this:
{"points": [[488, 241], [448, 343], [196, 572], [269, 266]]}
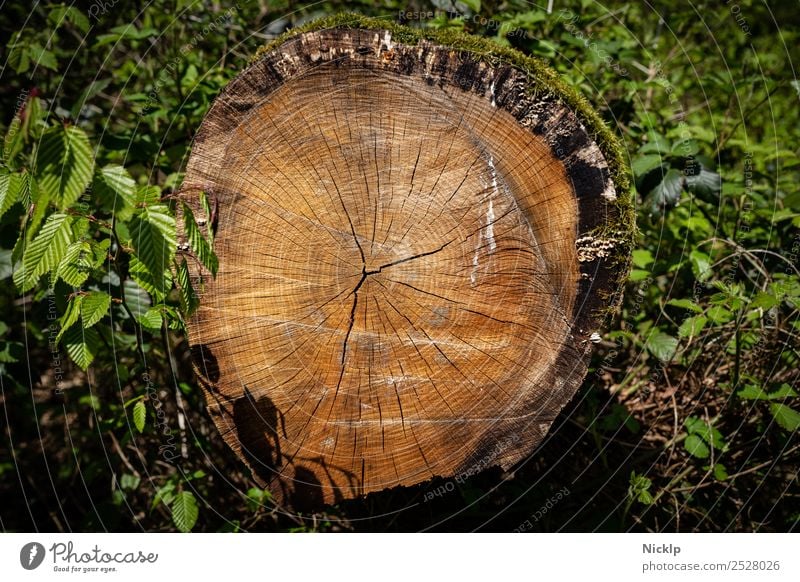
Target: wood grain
{"points": [[409, 273]]}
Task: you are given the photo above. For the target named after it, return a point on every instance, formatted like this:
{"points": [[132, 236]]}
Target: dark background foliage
{"points": [[689, 417]]}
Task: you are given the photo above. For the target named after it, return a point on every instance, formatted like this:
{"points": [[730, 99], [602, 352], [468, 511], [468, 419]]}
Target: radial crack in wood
{"points": [[415, 245]]}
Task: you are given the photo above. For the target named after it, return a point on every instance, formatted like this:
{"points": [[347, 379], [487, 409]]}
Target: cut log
{"points": [[418, 241]]}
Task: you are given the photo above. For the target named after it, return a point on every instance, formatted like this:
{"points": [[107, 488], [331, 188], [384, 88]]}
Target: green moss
{"points": [[542, 77]]}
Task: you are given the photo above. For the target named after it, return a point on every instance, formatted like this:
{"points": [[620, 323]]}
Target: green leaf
{"points": [[701, 264], [696, 446], [6, 266], [45, 252], [156, 284], [184, 511], [71, 315], [13, 187], [764, 300], [683, 148], [662, 345], [82, 345], [59, 14], [786, 417], [153, 238], [148, 195], [639, 275], [77, 264], [755, 392], [720, 472], [642, 258], [785, 391], [643, 165], [189, 300], [198, 243], [165, 493], [64, 164], [116, 191], [639, 488], [719, 314], [94, 307], [151, 319], [692, 326], [709, 434], [139, 415], [655, 143], [42, 57], [685, 304], [129, 482]]}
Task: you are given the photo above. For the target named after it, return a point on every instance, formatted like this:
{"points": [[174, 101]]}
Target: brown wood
{"points": [[410, 271]]}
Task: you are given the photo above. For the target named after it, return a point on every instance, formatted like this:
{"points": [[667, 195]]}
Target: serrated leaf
{"points": [[785, 391], [752, 392], [662, 345], [139, 415], [12, 188], [696, 446], [115, 190], [189, 300], [198, 243], [64, 164], [153, 238], [45, 252], [82, 345], [764, 300], [76, 265], [692, 326], [156, 284], [71, 315], [184, 511], [94, 307], [148, 195], [786, 417], [151, 319], [100, 252]]}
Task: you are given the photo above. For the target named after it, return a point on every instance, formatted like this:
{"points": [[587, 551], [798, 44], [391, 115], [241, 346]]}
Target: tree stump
{"points": [[418, 239]]}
